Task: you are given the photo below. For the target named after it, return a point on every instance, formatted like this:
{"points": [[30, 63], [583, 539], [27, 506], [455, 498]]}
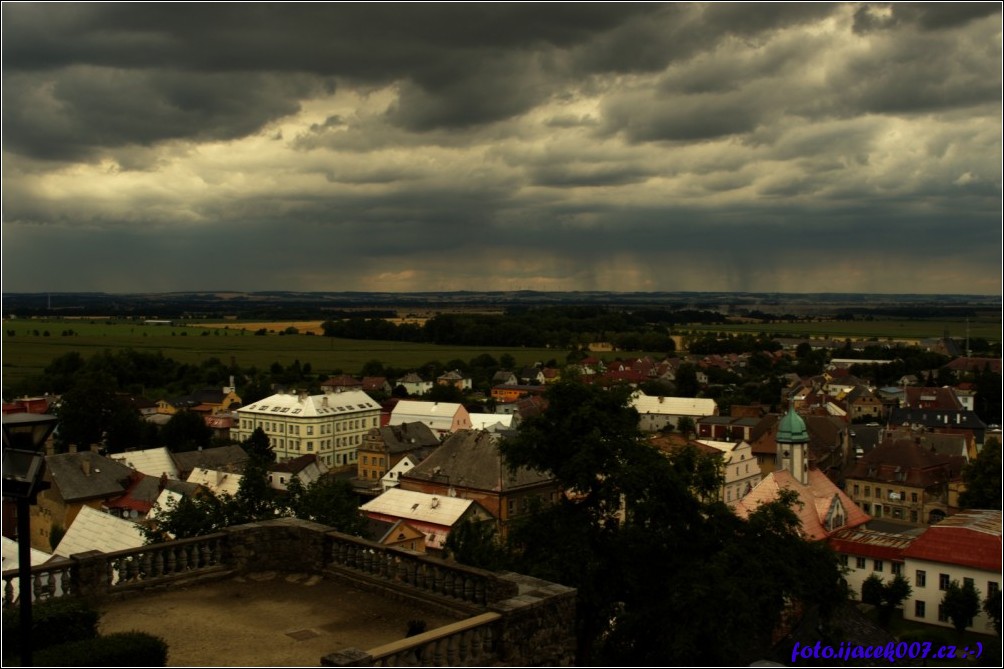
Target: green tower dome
{"points": [[791, 429]]}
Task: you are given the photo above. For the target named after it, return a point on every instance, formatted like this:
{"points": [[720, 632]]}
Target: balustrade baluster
{"points": [[112, 571], [50, 586], [204, 554], [158, 562], [64, 582], [146, 565], [172, 560], [37, 586], [8, 592]]}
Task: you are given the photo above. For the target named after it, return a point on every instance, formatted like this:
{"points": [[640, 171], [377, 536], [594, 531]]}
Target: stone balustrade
{"points": [[426, 574], [513, 619]]}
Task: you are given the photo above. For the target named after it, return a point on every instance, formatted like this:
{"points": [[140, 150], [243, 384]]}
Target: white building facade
{"points": [[330, 426]]}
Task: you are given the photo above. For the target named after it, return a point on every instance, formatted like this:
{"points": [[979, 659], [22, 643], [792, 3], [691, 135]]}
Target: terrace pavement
{"points": [[264, 619]]}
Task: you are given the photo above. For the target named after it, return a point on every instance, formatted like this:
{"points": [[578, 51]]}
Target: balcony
{"points": [[291, 592]]}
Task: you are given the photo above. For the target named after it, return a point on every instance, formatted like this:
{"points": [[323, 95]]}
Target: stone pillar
{"points": [[90, 574]]}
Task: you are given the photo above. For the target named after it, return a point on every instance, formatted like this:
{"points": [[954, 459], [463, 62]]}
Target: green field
{"points": [[26, 354]]}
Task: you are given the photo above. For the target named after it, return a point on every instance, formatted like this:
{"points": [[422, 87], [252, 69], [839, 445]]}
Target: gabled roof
{"points": [[407, 437], [438, 414], [221, 457], [673, 406], [931, 398], [471, 459], [93, 530], [294, 466], [87, 475], [870, 543], [292, 405], [815, 501], [969, 538], [936, 418], [420, 506], [908, 463], [490, 421], [218, 482], [150, 461]]}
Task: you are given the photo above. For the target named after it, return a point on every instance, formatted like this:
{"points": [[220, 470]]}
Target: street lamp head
{"points": [[23, 461]]}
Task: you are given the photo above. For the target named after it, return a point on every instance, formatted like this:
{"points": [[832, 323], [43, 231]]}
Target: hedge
{"points": [[122, 649], [54, 621]]}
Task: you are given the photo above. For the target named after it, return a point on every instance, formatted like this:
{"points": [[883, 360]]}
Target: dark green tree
{"points": [[186, 431], [961, 604], [257, 446], [476, 543], [992, 606], [686, 381], [982, 479], [642, 539], [685, 424], [328, 501]]}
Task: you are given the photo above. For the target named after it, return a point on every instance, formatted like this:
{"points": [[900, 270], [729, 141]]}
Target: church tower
{"points": [[793, 446]]}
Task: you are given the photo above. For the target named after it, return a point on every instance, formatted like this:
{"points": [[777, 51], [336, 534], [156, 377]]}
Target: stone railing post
{"points": [[90, 578]]}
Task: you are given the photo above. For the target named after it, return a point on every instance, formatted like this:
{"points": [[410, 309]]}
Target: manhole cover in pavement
{"points": [[302, 635]]}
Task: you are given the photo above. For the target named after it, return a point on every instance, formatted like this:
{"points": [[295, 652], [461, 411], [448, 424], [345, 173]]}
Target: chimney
{"points": [[85, 466]]}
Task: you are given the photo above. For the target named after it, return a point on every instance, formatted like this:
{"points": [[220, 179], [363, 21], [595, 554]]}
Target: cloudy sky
{"points": [[406, 147]]}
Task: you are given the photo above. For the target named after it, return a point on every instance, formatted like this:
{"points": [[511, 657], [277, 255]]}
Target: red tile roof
{"points": [[969, 539], [871, 544], [814, 501]]}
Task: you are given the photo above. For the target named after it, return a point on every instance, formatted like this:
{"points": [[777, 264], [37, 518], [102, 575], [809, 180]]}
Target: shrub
{"points": [[122, 649], [54, 621]]}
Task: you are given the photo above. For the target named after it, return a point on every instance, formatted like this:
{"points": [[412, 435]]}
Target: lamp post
{"points": [[24, 435]]}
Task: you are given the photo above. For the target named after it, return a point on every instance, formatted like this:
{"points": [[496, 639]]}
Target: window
{"points": [[878, 493], [941, 614], [868, 491], [921, 579], [310, 446], [913, 497], [861, 563], [857, 490], [943, 582], [993, 587], [918, 609], [913, 516], [968, 581], [877, 565], [366, 460], [310, 430], [843, 560], [897, 568]]}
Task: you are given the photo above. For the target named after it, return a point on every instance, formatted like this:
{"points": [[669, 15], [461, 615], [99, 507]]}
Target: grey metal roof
{"points": [[471, 459], [87, 475]]}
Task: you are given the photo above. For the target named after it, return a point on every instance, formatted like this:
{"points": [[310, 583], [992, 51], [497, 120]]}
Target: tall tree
{"points": [[647, 547], [982, 478], [961, 603], [186, 431], [992, 606]]}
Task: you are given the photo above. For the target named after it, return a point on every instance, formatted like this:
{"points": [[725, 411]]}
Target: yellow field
{"points": [[273, 326]]}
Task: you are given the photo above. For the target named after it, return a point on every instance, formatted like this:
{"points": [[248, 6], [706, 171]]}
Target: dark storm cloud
{"points": [[80, 109], [925, 15], [323, 146], [199, 71]]}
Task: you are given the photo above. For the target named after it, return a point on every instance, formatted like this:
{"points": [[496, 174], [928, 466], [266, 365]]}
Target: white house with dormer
{"points": [[330, 426]]}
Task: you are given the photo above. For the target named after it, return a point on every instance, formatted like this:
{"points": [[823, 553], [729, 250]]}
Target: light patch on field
{"points": [[275, 326]]}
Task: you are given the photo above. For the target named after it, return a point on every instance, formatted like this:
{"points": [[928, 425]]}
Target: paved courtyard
{"points": [[264, 619]]}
